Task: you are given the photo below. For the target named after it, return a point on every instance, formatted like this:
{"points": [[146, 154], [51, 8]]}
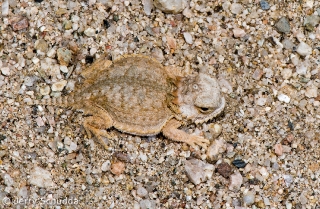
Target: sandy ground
{"points": [[264, 54]]}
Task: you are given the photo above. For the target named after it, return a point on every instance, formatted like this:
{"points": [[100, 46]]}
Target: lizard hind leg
{"points": [[97, 125]]}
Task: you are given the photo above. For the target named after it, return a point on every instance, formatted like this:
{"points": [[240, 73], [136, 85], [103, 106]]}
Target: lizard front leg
{"points": [[171, 131]]}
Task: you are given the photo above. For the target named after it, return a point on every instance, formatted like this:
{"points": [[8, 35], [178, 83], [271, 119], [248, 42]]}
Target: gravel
{"points": [[265, 55]]}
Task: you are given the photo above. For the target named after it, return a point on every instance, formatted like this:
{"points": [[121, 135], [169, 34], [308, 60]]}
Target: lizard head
{"points": [[199, 98]]}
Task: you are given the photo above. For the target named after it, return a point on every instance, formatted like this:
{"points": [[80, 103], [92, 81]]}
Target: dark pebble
{"points": [[239, 163], [2, 137], [253, 181], [136, 39], [106, 23], [264, 5], [115, 18], [224, 169], [291, 126], [283, 25], [218, 8], [38, 1], [89, 59]]}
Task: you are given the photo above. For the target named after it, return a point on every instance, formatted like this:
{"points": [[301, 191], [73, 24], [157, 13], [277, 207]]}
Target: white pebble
{"points": [[143, 157], [90, 32], [170, 6], [39, 121], [64, 69], [142, 192], [311, 91], [8, 181], [5, 71], [147, 6], [286, 73], [248, 198], [236, 8], [235, 181], [58, 86], [188, 37], [238, 33], [261, 101], [304, 49], [35, 60], [283, 98], [44, 90], [217, 147], [198, 171], [106, 166], [41, 178], [51, 53], [5, 8]]}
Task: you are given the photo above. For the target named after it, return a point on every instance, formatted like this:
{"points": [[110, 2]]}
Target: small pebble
{"points": [[311, 20], [58, 86], [67, 25], [147, 6], [286, 73], [64, 69], [8, 181], [238, 33], [64, 56], [105, 166], [239, 163], [278, 149], [41, 178], [283, 25], [41, 45], [235, 181], [249, 198], [304, 49], [198, 171], [19, 23], [287, 44], [257, 74], [264, 5], [45, 90], [106, 23], [283, 98], [147, 204], [90, 32], [187, 37], [217, 147], [236, 8], [118, 168], [5, 8], [311, 91], [224, 169], [170, 6], [142, 192], [5, 71], [215, 130]]}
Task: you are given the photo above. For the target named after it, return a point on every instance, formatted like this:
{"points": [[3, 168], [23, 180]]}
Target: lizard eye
{"points": [[204, 110], [195, 87]]}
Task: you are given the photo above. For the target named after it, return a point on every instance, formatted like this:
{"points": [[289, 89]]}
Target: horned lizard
{"points": [[137, 95]]}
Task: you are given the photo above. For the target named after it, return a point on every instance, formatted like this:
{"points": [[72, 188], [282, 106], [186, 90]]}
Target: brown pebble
{"points": [[278, 149], [73, 46], [122, 156], [212, 197], [19, 23], [117, 168], [224, 169]]}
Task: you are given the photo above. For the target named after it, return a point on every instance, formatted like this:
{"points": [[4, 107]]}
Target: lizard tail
{"points": [[65, 101]]}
